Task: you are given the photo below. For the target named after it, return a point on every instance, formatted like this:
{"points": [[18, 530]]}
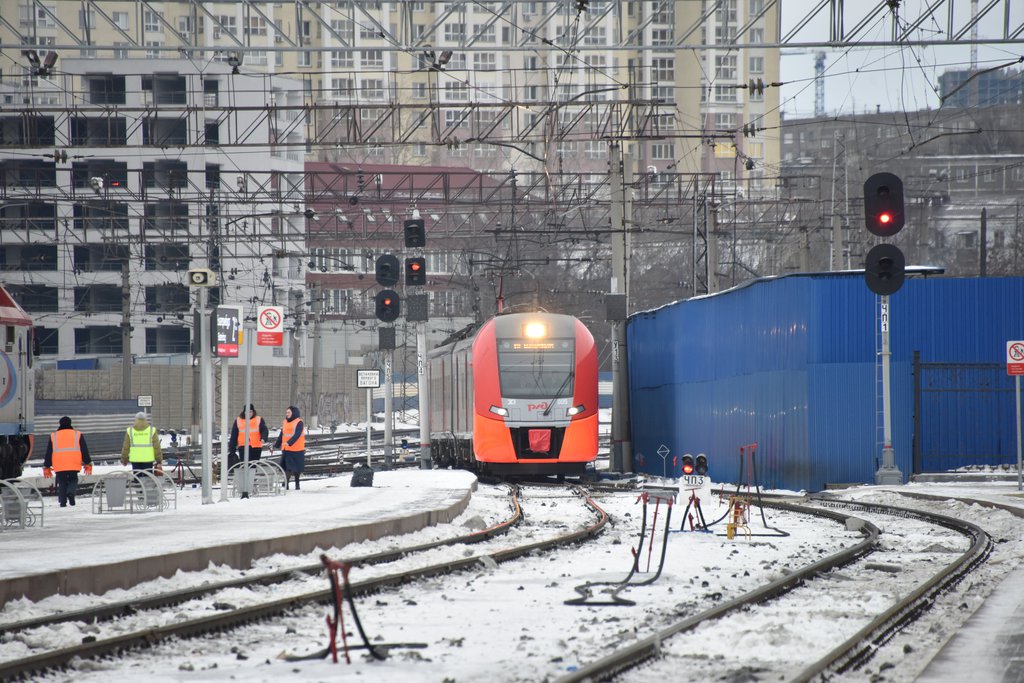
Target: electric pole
{"points": [[126, 333]]}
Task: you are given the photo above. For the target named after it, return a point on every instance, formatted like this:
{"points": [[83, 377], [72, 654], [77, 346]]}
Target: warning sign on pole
{"points": [[270, 326], [1015, 358]]}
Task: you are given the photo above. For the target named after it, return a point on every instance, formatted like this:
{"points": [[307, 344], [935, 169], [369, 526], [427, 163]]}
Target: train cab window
{"points": [[535, 373], [9, 339]]}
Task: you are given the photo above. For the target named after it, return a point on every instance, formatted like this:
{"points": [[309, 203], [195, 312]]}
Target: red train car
{"points": [[516, 395], [17, 387]]}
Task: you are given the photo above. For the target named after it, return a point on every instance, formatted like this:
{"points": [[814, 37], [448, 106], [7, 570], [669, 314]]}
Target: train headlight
{"points": [[499, 411], [535, 330], [575, 410]]}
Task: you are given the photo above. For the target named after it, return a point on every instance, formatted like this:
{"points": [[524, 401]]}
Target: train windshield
{"points": [[536, 373]]}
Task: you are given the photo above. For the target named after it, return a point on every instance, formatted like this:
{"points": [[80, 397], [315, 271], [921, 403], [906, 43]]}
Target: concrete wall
{"points": [[171, 387]]}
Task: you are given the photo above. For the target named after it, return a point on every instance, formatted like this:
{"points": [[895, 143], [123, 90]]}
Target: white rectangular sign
{"points": [[1015, 358], [368, 379], [270, 326], [145, 401]]}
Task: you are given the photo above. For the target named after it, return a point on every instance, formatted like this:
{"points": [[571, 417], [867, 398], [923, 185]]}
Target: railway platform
{"points": [[989, 647], [77, 551]]}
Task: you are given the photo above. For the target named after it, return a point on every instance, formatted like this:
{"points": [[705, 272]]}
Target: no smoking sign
{"points": [[1015, 358]]}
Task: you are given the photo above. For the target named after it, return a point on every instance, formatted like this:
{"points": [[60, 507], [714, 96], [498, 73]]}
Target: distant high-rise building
{"points": [[965, 88]]}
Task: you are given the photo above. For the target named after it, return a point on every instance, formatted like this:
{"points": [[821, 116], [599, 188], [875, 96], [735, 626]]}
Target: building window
{"points": [[485, 61], [724, 150], [725, 93], [455, 33], [756, 36], [373, 89], [663, 69], [120, 20], [371, 59], [725, 121], [419, 91], [755, 7], [342, 59], [725, 67], [661, 151], [485, 35], [662, 36], [597, 35], [756, 65], [151, 22], [755, 150]]}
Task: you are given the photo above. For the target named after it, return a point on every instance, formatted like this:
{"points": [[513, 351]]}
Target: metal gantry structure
{"points": [[829, 24]]}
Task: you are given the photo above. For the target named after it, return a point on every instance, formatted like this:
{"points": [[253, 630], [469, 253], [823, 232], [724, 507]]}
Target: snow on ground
{"points": [[509, 623]]}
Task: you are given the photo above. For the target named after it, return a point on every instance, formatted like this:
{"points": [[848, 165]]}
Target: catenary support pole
{"points": [[314, 403], [369, 422], [126, 334], [422, 395], [225, 429], [206, 380], [621, 176], [250, 339]]}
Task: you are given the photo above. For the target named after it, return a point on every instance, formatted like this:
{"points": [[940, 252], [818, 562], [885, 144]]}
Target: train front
{"points": [[535, 377]]}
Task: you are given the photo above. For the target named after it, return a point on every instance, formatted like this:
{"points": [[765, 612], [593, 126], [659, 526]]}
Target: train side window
{"points": [[9, 338], [32, 346]]}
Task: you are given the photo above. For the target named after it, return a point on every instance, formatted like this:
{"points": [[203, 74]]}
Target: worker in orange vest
{"points": [[66, 453], [292, 442], [258, 435]]}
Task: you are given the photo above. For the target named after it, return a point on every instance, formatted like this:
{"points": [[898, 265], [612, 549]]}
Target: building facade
{"points": [[115, 185]]}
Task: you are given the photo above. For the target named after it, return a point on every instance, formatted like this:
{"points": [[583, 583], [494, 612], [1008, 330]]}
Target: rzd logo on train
{"points": [[537, 406]]}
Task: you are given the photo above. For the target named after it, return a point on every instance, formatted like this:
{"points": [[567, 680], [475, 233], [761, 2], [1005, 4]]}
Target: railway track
{"points": [[228, 617], [665, 652]]}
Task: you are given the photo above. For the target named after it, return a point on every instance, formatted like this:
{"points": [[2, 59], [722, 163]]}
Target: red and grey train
{"points": [[17, 387], [515, 395]]}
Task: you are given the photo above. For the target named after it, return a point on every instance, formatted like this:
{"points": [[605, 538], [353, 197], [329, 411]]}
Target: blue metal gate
{"points": [[963, 416]]}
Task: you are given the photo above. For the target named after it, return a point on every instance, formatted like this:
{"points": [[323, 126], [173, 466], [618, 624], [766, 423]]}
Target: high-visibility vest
{"points": [[142, 445], [67, 454], [288, 431], [254, 432]]}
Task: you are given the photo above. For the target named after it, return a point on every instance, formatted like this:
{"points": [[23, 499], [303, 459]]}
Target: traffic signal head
{"points": [[415, 233], [416, 271], [387, 270], [701, 465], [688, 465], [883, 204], [387, 305], [883, 269]]}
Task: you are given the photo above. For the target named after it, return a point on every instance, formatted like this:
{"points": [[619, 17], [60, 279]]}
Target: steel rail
{"points": [[237, 617], [862, 646], [857, 649], [632, 655], [123, 608]]}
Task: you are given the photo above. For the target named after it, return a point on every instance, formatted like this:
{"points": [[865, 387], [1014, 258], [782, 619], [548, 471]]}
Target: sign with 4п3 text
{"points": [[1015, 358], [270, 326]]}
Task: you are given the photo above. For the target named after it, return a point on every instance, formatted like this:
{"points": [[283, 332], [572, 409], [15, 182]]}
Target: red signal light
{"points": [[884, 218], [415, 266], [687, 464], [387, 302]]}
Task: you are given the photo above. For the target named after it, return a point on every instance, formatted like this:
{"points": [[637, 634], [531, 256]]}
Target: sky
{"points": [[892, 78]]}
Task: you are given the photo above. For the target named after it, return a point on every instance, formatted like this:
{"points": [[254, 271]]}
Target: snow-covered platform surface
{"points": [[989, 648], [78, 551]]}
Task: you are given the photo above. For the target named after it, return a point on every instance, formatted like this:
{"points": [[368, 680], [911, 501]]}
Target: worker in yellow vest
{"points": [[66, 453], [258, 432], [141, 446], [292, 442]]}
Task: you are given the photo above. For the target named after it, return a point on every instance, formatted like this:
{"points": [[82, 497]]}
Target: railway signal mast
{"points": [[884, 273], [417, 313]]}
